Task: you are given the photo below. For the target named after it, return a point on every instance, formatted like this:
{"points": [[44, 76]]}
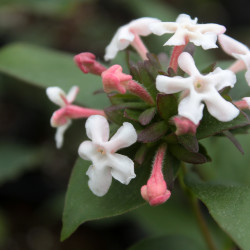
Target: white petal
{"points": [[232, 46], [124, 37], [186, 63], [88, 151], [184, 18], [247, 99], [141, 26], [163, 28], [170, 85], [71, 96], [100, 179], [112, 49], [60, 134], [122, 168], [220, 78], [179, 38], [191, 107], [124, 137], [97, 129], [206, 41], [210, 28], [218, 107], [247, 75], [55, 95]]}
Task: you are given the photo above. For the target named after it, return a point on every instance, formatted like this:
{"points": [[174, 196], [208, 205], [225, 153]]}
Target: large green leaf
{"points": [[173, 242], [228, 204], [16, 159], [46, 67], [82, 205]]}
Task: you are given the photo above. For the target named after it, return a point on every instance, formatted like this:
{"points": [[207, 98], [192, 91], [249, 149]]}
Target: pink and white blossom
{"points": [[198, 88], [239, 51], [130, 34], [186, 29], [106, 163], [58, 96]]}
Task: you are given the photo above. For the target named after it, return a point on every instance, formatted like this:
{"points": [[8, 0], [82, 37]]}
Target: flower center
{"points": [[199, 85], [101, 150]]}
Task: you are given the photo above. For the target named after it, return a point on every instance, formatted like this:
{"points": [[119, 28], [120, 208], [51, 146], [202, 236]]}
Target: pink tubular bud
{"points": [[61, 116], [156, 192], [87, 63], [114, 80], [184, 126], [244, 103]]}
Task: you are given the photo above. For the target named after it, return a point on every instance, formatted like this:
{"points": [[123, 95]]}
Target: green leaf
{"points": [[229, 206], [189, 142], [146, 116], [82, 205], [46, 67], [131, 114], [184, 155], [173, 242], [153, 132], [167, 106], [16, 159], [210, 126]]}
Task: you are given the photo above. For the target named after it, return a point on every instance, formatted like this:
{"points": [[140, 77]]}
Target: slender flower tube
{"points": [[185, 29], [244, 103], [87, 63], [61, 119], [156, 192], [200, 88], [239, 51], [114, 80], [130, 34], [106, 163]]}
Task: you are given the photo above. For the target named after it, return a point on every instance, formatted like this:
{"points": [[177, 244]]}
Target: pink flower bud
{"points": [[184, 126], [244, 103], [156, 192], [87, 63], [114, 80]]}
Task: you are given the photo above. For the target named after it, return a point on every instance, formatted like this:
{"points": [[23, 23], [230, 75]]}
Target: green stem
{"points": [[197, 212]]}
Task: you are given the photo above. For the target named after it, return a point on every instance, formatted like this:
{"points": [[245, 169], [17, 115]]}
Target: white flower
{"points": [[186, 29], [105, 161], [200, 88], [239, 51], [126, 34], [58, 96]]}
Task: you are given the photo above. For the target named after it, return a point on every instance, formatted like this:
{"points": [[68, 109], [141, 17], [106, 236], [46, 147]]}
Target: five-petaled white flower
{"points": [[128, 34], [200, 88], [186, 29], [58, 96], [105, 161], [239, 51]]}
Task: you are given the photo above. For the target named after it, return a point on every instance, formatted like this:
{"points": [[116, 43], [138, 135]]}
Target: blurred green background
{"points": [[34, 175]]}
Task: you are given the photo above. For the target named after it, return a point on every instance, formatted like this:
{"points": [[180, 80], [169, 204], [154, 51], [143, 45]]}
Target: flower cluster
{"points": [[161, 111]]}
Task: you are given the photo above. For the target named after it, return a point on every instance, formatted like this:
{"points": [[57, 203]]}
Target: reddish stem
{"points": [[175, 55]]}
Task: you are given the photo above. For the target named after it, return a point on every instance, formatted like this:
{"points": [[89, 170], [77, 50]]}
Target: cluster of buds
{"points": [[159, 111]]}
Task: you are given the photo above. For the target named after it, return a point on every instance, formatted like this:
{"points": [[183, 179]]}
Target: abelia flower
{"points": [[106, 163], [239, 51], [244, 103], [130, 34], [185, 29], [198, 88], [61, 118], [156, 192], [58, 96]]}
